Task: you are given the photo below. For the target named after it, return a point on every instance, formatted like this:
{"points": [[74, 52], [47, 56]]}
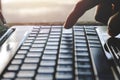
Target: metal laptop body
{"points": [[111, 47], [20, 33], [105, 60]]}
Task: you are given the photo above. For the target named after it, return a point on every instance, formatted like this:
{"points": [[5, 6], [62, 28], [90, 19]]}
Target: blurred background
{"points": [[42, 11]]}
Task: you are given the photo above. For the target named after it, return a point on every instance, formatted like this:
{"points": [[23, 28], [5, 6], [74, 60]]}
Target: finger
{"points": [[104, 11], [78, 11]]}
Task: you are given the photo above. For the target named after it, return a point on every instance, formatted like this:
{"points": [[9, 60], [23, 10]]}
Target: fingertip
{"points": [[67, 27]]}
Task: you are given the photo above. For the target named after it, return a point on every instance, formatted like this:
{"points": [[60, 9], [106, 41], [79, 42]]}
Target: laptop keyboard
{"points": [[55, 53]]}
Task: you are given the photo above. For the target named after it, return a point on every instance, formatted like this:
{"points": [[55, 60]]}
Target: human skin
{"points": [[105, 13]]}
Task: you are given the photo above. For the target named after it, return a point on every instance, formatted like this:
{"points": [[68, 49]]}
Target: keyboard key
{"points": [[66, 50], [79, 45], [38, 45], [83, 60], [19, 56], [36, 49], [53, 40], [22, 52], [9, 75], [78, 37], [80, 41], [54, 36], [64, 76], [25, 48], [23, 79], [29, 67], [83, 65], [66, 43], [27, 44], [65, 61], [31, 60], [39, 41], [52, 47], [86, 78], [79, 32], [84, 72], [46, 70], [67, 31], [27, 74], [92, 38], [34, 54], [55, 33], [32, 35], [48, 63], [44, 77], [28, 41], [31, 38], [53, 44], [49, 57], [13, 67], [64, 68], [82, 54], [16, 61], [47, 51], [68, 56], [95, 46], [41, 38], [42, 35], [44, 31]]}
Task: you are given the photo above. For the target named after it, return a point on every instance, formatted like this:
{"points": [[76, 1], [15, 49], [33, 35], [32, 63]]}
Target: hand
{"points": [[104, 11], [80, 8]]}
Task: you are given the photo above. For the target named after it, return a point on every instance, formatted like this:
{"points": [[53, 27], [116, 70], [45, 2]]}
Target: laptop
{"points": [[85, 52]]}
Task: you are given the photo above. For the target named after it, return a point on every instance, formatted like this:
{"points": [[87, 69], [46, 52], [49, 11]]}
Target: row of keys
{"points": [[47, 54]]}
